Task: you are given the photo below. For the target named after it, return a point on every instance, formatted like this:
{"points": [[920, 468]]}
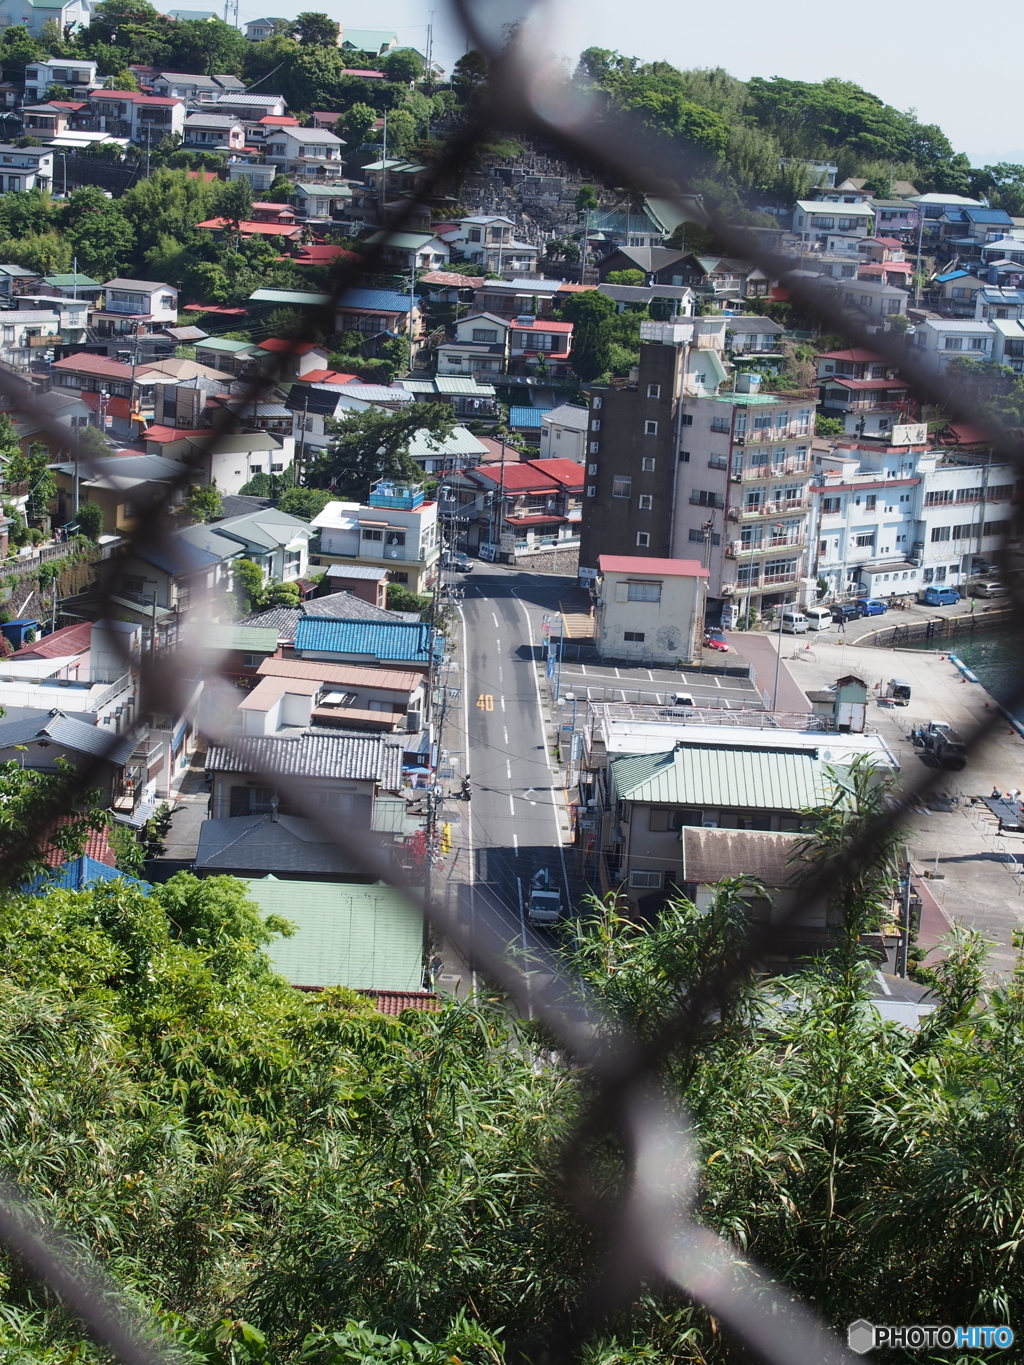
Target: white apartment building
{"points": [[76, 75], [814, 221], [305, 151], [938, 341], [890, 520], [395, 530], [25, 168], [742, 500]]}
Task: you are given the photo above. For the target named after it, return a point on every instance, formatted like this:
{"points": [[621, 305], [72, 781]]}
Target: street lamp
{"points": [[778, 657], [571, 696]]}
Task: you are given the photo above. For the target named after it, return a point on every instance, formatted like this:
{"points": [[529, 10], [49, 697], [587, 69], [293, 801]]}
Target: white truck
{"points": [[544, 906]]}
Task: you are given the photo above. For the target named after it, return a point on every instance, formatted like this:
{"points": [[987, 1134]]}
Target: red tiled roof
{"points": [[358, 71], [72, 105], [880, 267], [249, 229], [280, 120], [394, 1002], [293, 347], [219, 309], [450, 278], [207, 177], [116, 407], [326, 377], [268, 207], [164, 435], [538, 475], [67, 640], [962, 433], [541, 326], [84, 363], [97, 846], [319, 254], [162, 101], [672, 568]]}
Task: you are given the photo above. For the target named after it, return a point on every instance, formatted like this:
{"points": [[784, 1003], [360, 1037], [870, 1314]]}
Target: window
{"points": [[831, 504], [647, 879], [653, 390], [591, 490], [643, 592], [1000, 492], [622, 486], [650, 428], [485, 334], [596, 403], [938, 497], [702, 498], [865, 300], [940, 533], [646, 502], [591, 468], [372, 535], [136, 585], [684, 457], [865, 540], [251, 660], [963, 531], [928, 576], [954, 343], [996, 528], [647, 464], [687, 419], [890, 306], [979, 343], [870, 501], [595, 424], [633, 637], [595, 447], [720, 425], [643, 540]]}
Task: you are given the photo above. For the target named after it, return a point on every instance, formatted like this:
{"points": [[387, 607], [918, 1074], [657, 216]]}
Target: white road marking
{"points": [[515, 843], [467, 822], [502, 700], [494, 618], [504, 730], [718, 684], [508, 768], [650, 675], [511, 803]]}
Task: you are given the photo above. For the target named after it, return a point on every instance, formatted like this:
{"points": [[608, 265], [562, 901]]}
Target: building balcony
{"points": [[774, 509], [764, 472], [767, 547]]}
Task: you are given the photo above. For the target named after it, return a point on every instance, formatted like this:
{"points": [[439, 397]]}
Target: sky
{"points": [[914, 55]]}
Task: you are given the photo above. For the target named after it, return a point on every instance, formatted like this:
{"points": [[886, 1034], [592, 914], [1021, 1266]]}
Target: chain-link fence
{"points": [[649, 1231]]}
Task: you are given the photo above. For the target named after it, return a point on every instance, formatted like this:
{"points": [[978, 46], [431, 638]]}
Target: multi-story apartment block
{"points": [[396, 529], [25, 168], [75, 75]]}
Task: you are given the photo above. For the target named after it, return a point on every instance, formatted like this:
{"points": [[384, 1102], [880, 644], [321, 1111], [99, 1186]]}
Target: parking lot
{"points": [[656, 686]]}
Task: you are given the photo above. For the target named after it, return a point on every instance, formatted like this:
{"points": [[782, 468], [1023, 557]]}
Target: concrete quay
{"points": [[980, 881]]}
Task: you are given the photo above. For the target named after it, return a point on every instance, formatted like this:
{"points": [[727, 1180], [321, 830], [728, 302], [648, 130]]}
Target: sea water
{"points": [[995, 658]]}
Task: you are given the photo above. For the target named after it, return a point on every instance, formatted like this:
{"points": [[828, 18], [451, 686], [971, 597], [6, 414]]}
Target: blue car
{"points": [[873, 606], [939, 597]]}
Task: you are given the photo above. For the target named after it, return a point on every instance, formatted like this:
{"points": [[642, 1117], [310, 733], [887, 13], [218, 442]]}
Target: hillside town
{"points": [[408, 567]]}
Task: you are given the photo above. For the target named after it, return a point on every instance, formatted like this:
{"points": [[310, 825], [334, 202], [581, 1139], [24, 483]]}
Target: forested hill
{"points": [[746, 128]]}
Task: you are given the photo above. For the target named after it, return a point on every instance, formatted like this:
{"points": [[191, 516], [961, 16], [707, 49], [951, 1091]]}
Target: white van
{"points": [[794, 622], [818, 618], [730, 616]]}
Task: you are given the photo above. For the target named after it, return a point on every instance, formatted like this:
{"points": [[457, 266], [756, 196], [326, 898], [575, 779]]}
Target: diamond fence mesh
{"points": [[648, 1232]]}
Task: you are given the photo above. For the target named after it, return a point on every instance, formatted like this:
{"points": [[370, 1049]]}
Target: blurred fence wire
{"points": [[649, 1230]]}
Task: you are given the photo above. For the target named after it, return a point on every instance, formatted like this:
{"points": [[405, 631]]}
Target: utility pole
{"points": [[778, 657], [384, 173], [412, 300], [917, 272]]}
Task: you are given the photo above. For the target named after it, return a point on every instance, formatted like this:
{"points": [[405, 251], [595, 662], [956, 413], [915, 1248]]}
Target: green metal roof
{"points": [[750, 400], [296, 297], [463, 387], [253, 639], [69, 281], [365, 937], [758, 779], [223, 344]]}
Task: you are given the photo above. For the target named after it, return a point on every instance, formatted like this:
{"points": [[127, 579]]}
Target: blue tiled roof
{"points": [[79, 874], [998, 216], [953, 275], [526, 417], [382, 300], [410, 643]]}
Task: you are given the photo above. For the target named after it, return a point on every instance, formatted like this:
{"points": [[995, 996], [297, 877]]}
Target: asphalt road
{"points": [[656, 686], [511, 827]]}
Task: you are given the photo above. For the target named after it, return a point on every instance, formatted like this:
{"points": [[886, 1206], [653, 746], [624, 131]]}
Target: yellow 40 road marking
{"points": [[485, 702]]}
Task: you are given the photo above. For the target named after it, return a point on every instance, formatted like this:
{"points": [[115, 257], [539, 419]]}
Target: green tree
{"points": [[235, 200], [47, 253], [469, 75], [591, 314], [372, 445], [306, 503], [98, 232], [204, 503], [316, 30], [403, 66], [586, 200], [828, 426], [33, 468], [90, 520], [355, 124], [17, 49], [207, 46], [402, 131], [249, 584], [634, 277]]}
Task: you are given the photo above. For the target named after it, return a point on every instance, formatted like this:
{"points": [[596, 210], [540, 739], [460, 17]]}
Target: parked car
{"points": [[988, 587], [873, 606], [935, 596], [847, 611], [714, 638], [455, 559]]}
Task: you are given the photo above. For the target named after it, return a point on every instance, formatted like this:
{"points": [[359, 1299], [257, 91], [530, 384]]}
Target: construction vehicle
{"points": [[545, 904], [943, 743]]}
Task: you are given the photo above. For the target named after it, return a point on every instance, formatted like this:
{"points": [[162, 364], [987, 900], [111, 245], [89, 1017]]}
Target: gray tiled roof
{"points": [[338, 605], [259, 843], [98, 741], [346, 755]]}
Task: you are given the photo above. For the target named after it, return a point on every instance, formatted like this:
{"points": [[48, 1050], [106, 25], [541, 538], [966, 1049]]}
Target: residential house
{"points": [[231, 649], [863, 390], [412, 250], [438, 455], [196, 89], [25, 168], [537, 342], [123, 486], [937, 342], [229, 460], [1008, 343], [288, 359], [305, 152], [214, 132], [490, 240], [480, 345], [77, 76], [470, 399], [524, 507], [338, 775], [259, 175], [73, 285], [233, 357], [752, 335], [271, 845], [563, 433], [373, 644], [660, 265], [63, 410], [368, 938], [994, 303], [249, 107], [145, 119], [259, 30], [321, 203], [649, 611], [304, 693], [521, 297], [26, 336], [724, 277], [372, 40], [880, 302], [894, 216], [86, 676], [136, 308], [955, 293], [899, 274], [33, 15], [665, 302], [813, 220], [366, 582], [46, 741], [395, 529], [107, 386], [16, 279], [380, 313]]}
